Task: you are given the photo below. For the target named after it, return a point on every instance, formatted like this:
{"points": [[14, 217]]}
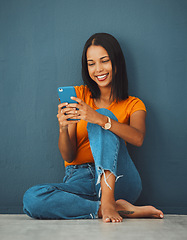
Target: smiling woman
{"points": [[98, 166], [110, 50], [99, 66]]}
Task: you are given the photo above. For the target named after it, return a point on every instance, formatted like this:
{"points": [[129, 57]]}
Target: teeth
{"points": [[101, 77]]}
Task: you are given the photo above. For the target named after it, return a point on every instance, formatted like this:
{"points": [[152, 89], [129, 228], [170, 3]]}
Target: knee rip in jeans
{"points": [[101, 172]]}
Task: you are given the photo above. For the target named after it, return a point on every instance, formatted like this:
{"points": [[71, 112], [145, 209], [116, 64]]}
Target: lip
{"points": [[102, 79]]}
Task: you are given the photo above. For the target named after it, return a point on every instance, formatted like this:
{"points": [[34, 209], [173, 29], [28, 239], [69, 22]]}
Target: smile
{"points": [[102, 77]]}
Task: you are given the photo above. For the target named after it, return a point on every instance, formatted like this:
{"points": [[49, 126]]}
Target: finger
{"points": [[67, 110], [75, 117], [71, 116], [77, 100], [62, 111], [78, 117], [74, 111], [64, 118], [74, 105], [61, 105]]}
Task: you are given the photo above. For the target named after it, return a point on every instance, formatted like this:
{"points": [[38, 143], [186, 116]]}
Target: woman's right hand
{"points": [[64, 113]]}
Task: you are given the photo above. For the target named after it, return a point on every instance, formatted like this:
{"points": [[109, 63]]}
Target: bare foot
{"points": [[109, 213], [126, 209]]}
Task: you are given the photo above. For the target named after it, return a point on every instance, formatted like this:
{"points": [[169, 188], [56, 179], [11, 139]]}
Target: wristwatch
{"points": [[108, 124]]}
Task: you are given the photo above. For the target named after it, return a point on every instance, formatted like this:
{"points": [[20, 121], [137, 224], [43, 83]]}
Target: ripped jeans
{"points": [[78, 196]]}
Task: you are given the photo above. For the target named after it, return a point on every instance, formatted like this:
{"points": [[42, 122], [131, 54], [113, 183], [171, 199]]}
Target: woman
{"points": [[101, 179]]}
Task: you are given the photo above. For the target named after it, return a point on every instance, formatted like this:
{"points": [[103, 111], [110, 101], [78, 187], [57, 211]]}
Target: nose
{"points": [[98, 67]]}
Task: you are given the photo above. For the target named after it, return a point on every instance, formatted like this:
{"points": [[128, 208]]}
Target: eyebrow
{"points": [[100, 58]]}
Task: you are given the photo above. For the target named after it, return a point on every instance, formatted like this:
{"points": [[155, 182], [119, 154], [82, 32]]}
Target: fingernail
{"points": [[161, 215]]}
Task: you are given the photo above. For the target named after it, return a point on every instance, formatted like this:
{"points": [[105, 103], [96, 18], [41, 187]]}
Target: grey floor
{"points": [[14, 227]]}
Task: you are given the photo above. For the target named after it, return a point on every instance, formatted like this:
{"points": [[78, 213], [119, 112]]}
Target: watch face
{"points": [[107, 125]]}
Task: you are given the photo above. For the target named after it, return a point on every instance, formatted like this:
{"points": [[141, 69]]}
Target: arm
{"points": [[133, 133], [67, 143], [67, 134]]}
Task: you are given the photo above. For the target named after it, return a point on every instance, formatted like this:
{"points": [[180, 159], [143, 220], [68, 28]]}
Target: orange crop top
{"points": [[122, 110]]}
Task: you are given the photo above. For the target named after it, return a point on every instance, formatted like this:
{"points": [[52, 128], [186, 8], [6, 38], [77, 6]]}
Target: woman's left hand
{"points": [[85, 112]]}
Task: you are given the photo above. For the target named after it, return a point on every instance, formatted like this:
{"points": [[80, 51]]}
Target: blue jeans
{"points": [[78, 196]]}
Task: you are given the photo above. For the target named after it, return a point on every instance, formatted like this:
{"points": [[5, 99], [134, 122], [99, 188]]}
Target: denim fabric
{"points": [[110, 153], [73, 199], [78, 195]]}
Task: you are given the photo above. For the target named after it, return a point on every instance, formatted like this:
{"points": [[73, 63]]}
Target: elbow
{"points": [[69, 159], [67, 156], [140, 140]]}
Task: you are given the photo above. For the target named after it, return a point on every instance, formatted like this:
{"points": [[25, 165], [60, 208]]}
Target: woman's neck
{"points": [[105, 93], [104, 99]]}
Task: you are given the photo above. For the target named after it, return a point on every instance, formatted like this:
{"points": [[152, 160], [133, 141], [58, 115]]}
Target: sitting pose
{"points": [[100, 178]]}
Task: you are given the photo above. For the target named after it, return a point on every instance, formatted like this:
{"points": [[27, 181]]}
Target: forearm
{"points": [[128, 133], [67, 149], [124, 131]]}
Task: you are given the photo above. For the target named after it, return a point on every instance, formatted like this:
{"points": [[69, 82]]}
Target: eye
{"points": [[60, 90], [90, 64], [106, 61]]}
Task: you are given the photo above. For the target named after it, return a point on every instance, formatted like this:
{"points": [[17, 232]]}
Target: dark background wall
{"points": [[41, 43]]}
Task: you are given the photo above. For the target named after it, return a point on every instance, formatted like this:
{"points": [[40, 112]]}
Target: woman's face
{"points": [[99, 66]]}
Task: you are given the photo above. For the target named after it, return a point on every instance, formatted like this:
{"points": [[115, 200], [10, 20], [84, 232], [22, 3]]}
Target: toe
{"points": [[161, 214], [106, 219], [113, 220], [119, 219]]}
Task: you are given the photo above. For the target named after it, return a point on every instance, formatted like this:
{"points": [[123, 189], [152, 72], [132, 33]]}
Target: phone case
{"points": [[65, 94]]}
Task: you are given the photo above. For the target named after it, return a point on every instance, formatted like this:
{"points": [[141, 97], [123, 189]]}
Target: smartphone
{"points": [[65, 94]]}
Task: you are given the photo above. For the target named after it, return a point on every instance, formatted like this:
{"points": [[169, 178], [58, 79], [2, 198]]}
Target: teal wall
{"points": [[41, 43]]}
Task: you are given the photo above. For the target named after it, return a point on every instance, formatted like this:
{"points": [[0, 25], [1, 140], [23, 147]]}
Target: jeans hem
{"points": [[101, 171]]}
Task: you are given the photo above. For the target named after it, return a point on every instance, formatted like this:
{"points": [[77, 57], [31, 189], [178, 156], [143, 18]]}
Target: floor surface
{"points": [[14, 227]]}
